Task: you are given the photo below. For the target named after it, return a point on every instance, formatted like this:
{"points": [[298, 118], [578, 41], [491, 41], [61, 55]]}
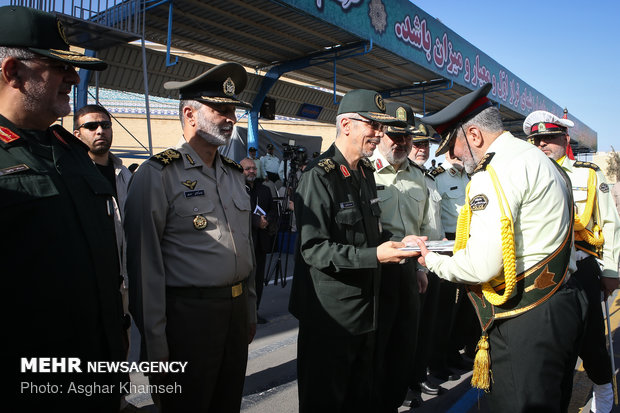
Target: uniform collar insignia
{"points": [[452, 171], [345, 171], [379, 164], [190, 159], [7, 135], [366, 163], [190, 184], [231, 163]]}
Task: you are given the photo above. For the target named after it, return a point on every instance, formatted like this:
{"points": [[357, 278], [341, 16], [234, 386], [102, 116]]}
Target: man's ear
{"points": [[475, 135], [189, 115], [10, 72]]}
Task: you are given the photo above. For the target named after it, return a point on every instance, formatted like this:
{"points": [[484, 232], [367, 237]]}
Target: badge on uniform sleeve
{"points": [[200, 222], [604, 187], [479, 202]]}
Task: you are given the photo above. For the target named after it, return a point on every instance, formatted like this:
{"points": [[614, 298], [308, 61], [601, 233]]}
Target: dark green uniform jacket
{"points": [[59, 259], [336, 269]]}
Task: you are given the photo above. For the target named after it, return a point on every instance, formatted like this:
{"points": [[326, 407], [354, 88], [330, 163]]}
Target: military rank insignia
{"points": [[604, 187], [166, 157], [200, 222], [7, 135], [231, 163], [482, 165], [365, 162], [327, 164], [345, 171]]}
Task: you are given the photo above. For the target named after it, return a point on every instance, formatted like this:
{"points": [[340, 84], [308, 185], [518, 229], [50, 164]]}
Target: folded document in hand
{"points": [[437, 246]]}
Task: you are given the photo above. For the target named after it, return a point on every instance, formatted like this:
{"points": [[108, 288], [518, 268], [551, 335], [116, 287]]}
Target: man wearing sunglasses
{"points": [[92, 124], [598, 238], [59, 257]]}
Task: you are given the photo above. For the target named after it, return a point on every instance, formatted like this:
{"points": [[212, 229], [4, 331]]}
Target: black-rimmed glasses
{"points": [[105, 124], [373, 124]]}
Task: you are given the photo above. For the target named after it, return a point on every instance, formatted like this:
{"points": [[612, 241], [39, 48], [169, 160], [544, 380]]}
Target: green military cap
{"points": [[400, 111], [217, 85], [421, 133], [447, 120], [41, 33], [368, 104]]}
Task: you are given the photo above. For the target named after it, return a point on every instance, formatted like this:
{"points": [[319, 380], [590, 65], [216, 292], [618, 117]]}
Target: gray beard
{"points": [[210, 132]]}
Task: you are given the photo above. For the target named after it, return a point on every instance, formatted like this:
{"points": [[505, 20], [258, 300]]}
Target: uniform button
{"points": [[195, 209]]}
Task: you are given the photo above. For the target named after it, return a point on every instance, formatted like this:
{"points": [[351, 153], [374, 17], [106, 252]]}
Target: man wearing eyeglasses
{"points": [[59, 254], [338, 260]]}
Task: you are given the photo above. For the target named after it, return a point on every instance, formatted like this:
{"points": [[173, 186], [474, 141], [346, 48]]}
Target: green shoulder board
{"points": [[231, 163], [437, 171], [166, 157], [367, 164]]}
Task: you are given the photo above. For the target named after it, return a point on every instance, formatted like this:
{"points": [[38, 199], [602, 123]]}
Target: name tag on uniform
{"points": [[374, 200], [380, 187], [345, 205], [453, 188], [191, 194], [14, 169]]}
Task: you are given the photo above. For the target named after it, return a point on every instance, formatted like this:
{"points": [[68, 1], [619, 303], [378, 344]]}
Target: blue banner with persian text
{"points": [[406, 30]]}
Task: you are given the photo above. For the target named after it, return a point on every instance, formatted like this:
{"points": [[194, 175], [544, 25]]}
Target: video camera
{"points": [[297, 155]]}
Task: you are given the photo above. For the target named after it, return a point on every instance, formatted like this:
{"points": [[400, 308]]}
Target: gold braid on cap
{"points": [[481, 377]]}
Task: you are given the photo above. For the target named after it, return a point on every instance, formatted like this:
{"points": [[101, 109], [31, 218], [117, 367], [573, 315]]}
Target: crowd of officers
{"points": [[87, 243]]}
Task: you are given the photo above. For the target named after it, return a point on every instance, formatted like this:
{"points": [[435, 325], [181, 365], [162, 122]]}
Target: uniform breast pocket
{"points": [[199, 215], [242, 205], [416, 198], [22, 188], [350, 220]]}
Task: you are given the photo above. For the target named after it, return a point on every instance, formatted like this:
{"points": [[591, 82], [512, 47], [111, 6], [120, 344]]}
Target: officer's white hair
{"points": [[194, 104], [339, 118], [16, 52], [489, 120]]}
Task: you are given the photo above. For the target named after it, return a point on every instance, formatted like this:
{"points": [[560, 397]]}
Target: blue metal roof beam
{"points": [[333, 54], [419, 88]]}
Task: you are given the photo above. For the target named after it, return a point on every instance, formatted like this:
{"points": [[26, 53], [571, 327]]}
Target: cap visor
{"points": [[444, 144], [224, 101], [73, 58]]}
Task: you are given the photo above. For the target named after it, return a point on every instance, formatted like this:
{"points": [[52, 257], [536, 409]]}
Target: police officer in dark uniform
{"points": [[59, 254], [337, 262]]}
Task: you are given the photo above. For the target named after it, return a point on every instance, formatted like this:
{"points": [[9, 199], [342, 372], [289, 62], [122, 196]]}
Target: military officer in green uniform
{"points": [[597, 236], [59, 258], [403, 198], [337, 262], [190, 255], [514, 249]]}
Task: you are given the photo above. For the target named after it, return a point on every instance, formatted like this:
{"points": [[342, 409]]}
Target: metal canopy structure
{"points": [[409, 56]]}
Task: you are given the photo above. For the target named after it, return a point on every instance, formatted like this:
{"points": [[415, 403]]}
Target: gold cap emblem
{"points": [[379, 102], [229, 87], [542, 127], [61, 31], [200, 222], [401, 113]]}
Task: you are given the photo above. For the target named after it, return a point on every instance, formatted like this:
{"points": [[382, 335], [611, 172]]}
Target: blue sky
{"points": [[568, 50]]}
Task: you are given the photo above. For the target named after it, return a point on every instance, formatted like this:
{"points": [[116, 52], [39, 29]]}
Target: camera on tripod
{"points": [[293, 156]]}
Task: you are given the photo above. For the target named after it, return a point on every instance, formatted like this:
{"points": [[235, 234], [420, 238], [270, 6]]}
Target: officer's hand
{"points": [[389, 252], [608, 285], [410, 240], [423, 251], [252, 332]]}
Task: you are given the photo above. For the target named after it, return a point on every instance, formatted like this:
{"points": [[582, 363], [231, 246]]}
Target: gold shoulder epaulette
{"points": [[231, 163], [327, 164], [580, 164], [437, 171], [367, 164], [166, 157], [482, 165]]}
